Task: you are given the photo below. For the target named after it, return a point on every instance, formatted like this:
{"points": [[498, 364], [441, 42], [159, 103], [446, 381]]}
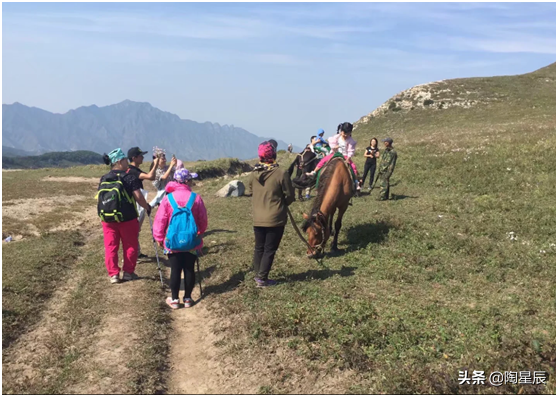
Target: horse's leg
{"points": [[330, 225], [338, 227]]}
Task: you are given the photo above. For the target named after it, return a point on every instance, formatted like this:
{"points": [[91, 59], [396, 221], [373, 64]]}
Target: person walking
{"points": [[121, 190], [272, 192], [371, 153], [386, 167], [180, 195], [135, 158]]}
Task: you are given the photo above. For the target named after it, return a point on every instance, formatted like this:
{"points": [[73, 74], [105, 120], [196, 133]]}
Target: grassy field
{"points": [[429, 283], [456, 272]]}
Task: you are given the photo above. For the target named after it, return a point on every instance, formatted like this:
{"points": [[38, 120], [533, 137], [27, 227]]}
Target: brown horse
{"points": [[335, 189]]}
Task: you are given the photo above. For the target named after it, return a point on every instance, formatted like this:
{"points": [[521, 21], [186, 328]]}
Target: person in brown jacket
{"points": [[272, 191]]}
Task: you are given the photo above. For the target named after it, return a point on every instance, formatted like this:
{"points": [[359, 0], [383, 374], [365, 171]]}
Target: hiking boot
{"points": [[173, 303], [142, 257], [129, 276], [265, 283], [188, 302], [115, 279]]}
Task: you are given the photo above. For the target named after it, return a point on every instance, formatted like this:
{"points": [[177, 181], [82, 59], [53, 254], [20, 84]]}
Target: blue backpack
{"points": [[182, 234]]}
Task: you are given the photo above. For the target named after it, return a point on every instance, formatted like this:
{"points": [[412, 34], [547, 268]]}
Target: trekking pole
{"points": [[156, 251], [199, 276]]}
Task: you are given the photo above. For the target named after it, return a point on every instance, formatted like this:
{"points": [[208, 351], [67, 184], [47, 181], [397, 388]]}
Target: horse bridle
{"points": [[320, 214]]}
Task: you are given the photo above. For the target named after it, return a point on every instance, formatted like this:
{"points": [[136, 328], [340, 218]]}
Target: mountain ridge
{"points": [[124, 124]]}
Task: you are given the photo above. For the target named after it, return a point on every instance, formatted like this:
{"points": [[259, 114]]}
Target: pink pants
{"points": [[328, 157], [128, 233]]}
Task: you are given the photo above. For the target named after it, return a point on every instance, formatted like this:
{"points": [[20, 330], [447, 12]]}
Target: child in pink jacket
{"points": [[180, 261], [342, 143]]}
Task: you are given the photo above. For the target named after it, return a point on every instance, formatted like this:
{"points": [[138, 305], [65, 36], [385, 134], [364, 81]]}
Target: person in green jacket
{"points": [[272, 191], [387, 165]]}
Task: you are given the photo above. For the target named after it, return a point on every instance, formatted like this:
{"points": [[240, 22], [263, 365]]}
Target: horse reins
{"points": [[312, 249]]}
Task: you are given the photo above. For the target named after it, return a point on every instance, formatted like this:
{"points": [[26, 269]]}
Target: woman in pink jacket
{"points": [[342, 143], [180, 261]]}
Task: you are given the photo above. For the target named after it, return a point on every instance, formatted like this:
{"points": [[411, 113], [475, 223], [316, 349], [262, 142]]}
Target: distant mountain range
{"points": [[31, 131], [11, 152]]}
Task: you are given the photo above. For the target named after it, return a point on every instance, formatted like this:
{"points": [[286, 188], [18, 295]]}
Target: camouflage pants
{"points": [[384, 187]]}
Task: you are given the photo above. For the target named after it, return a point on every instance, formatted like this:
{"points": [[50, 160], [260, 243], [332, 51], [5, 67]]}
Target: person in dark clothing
{"points": [[304, 162], [272, 191], [135, 158], [371, 153]]}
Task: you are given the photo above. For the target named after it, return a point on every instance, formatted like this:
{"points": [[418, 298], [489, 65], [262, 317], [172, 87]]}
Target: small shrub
{"points": [[428, 102], [392, 105]]}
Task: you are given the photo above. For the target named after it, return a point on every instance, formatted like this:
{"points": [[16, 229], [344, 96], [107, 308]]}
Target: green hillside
{"points": [[53, 159], [463, 105]]}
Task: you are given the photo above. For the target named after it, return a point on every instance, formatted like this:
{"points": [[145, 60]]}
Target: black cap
{"points": [[388, 140], [273, 143], [135, 151]]}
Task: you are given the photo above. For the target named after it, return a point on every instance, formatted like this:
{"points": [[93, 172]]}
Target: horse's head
{"points": [[316, 226]]}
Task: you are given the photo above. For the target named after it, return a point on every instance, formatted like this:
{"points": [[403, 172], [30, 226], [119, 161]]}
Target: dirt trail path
{"points": [[194, 360], [89, 331], [22, 363], [197, 365], [114, 344]]}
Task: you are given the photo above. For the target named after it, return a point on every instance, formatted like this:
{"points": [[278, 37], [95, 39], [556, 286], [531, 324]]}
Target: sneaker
{"points": [[369, 188], [115, 279], [265, 283], [173, 303], [307, 197], [129, 276], [188, 302]]}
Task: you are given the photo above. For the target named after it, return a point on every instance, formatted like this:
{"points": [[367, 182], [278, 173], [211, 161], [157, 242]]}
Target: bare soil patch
{"points": [[26, 209], [72, 179]]}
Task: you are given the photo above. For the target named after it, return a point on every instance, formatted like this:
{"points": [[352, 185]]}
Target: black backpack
{"points": [[114, 203]]}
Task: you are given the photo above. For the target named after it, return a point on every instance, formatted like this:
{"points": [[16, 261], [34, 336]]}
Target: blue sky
{"points": [[275, 69]]}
